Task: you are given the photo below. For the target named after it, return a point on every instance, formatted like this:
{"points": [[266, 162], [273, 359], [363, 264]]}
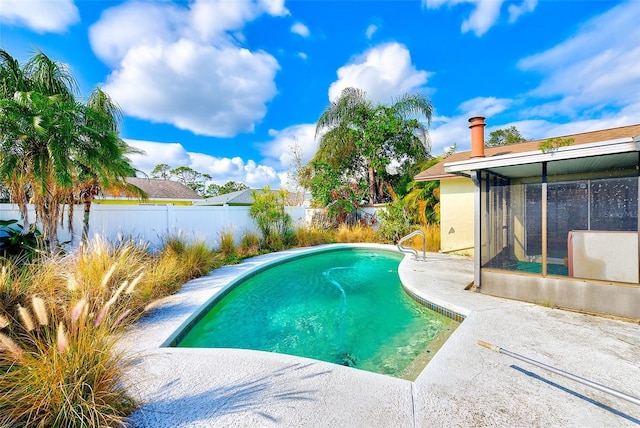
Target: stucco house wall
{"points": [[456, 215]]}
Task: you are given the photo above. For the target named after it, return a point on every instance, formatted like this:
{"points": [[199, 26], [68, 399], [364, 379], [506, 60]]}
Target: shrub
{"points": [[395, 222], [268, 210], [18, 244]]}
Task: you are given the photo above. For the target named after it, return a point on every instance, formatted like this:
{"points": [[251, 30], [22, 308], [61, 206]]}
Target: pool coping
{"points": [[460, 386]]}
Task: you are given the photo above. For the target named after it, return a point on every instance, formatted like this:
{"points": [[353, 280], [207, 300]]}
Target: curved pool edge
{"points": [[254, 266]]}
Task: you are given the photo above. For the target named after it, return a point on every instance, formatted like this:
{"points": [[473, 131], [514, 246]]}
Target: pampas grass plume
{"points": [[107, 276], [40, 309], [77, 311], [10, 345], [133, 284], [26, 318], [62, 340], [4, 322], [72, 284]]}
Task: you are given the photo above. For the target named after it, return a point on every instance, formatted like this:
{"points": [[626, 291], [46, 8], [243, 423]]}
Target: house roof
{"points": [[437, 172], [159, 189], [241, 197]]}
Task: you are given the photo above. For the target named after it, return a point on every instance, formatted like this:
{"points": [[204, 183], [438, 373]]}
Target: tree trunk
{"points": [[372, 185], [85, 221]]}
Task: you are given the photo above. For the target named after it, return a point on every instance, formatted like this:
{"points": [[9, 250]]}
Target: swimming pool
{"points": [[343, 306]]}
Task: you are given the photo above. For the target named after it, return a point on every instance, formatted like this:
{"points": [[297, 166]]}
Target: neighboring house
{"points": [[245, 198], [159, 192], [556, 227]]}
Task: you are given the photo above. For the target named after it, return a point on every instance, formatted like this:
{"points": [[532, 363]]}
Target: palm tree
{"points": [[355, 130], [50, 144], [104, 163]]}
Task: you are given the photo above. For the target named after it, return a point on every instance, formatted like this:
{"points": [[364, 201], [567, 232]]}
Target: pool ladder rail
{"points": [[409, 250]]}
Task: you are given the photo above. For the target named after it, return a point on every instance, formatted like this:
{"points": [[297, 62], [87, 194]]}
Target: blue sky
{"points": [[227, 87]]}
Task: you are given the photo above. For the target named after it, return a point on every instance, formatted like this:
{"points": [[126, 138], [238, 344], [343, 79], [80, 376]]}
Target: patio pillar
{"points": [[544, 219], [476, 177]]}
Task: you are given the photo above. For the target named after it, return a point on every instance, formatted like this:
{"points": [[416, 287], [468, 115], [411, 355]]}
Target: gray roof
{"points": [[162, 189], [240, 197]]}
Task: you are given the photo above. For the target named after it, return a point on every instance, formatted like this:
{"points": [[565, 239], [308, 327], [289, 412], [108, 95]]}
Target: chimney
{"points": [[476, 124]]}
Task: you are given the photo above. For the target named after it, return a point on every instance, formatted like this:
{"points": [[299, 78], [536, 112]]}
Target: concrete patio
{"points": [[463, 385]]}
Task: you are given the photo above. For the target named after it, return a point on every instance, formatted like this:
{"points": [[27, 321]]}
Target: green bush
{"points": [[274, 223], [395, 222], [18, 244]]}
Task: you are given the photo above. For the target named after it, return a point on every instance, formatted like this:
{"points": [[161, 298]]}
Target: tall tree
{"points": [[50, 142], [191, 178], [107, 165], [161, 171], [373, 142], [504, 137]]}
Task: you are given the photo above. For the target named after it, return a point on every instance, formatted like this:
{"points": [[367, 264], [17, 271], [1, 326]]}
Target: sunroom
{"points": [[559, 226]]}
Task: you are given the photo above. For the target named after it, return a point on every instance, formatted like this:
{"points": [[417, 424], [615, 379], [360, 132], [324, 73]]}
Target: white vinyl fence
{"points": [[152, 223]]}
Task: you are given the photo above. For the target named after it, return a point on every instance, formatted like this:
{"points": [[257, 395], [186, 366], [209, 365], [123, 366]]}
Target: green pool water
{"points": [[346, 307]]}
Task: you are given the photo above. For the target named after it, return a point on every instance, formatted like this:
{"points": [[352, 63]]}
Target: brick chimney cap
{"points": [[476, 118]]}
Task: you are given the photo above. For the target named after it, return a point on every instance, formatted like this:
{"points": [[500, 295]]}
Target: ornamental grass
{"points": [[356, 233], [60, 320]]}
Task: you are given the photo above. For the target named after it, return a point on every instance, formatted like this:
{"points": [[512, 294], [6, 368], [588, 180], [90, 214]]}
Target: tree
{"points": [[191, 178], [232, 186], [268, 210], [504, 137], [423, 198], [108, 165], [372, 143], [161, 171], [197, 181], [50, 143]]}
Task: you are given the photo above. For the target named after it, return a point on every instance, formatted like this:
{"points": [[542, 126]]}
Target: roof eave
{"points": [[435, 177], [620, 145]]}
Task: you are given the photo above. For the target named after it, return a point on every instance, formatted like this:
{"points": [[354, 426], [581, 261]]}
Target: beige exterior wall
{"points": [[456, 215]]}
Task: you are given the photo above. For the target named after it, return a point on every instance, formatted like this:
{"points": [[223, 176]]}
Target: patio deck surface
{"points": [[463, 385]]}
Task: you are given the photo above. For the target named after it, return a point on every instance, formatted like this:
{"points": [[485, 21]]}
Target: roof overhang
{"points": [[575, 152]]}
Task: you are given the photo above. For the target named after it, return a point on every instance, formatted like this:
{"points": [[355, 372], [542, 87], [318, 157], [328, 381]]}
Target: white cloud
{"points": [[160, 25], [447, 131], [209, 91], [41, 16], [515, 11], [300, 29], [183, 66], [172, 154], [385, 72], [371, 30], [485, 13], [279, 150], [594, 70], [221, 170], [302, 55]]}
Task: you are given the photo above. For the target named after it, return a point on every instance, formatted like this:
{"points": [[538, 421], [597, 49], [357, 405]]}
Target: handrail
{"points": [[413, 251]]}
